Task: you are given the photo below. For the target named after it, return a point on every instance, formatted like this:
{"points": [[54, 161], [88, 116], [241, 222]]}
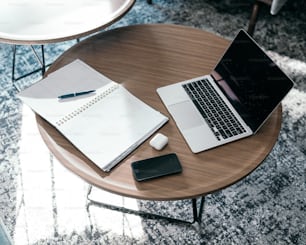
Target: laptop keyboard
{"points": [[216, 113]]}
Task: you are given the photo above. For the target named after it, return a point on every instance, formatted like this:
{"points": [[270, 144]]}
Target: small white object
{"points": [[159, 141]]}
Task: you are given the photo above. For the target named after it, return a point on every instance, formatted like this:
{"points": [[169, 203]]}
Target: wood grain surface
{"points": [[143, 58]]}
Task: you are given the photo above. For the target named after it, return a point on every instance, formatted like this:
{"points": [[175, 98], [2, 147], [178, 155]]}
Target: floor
{"points": [[41, 202]]}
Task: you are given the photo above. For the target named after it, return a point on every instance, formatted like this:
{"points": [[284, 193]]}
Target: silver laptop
{"points": [[232, 102]]}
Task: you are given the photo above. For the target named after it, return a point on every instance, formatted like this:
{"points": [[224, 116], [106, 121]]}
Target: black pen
{"points": [[66, 96]]}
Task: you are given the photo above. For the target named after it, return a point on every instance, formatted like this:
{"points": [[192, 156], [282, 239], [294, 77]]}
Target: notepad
{"points": [[106, 125]]}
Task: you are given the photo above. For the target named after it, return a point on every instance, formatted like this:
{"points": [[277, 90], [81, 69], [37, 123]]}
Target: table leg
{"points": [[197, 212], [14, 63], [41, 61], [253, 18]]}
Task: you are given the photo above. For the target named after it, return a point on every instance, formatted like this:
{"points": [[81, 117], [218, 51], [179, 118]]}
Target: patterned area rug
{"points": [[267, 207]]}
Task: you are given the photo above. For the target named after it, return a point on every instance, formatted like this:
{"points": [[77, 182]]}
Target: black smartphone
{"points": [[156, 167]]}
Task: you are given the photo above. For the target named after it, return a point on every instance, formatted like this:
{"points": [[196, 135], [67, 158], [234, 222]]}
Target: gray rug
{"points": [[267, 207]]}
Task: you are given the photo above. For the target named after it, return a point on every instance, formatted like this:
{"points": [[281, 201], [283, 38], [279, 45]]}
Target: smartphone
{"points": [[156, 167]]}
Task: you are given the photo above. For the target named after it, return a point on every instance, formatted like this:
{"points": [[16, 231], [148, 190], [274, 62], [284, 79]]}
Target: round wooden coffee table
{"points": [[143, 58]]}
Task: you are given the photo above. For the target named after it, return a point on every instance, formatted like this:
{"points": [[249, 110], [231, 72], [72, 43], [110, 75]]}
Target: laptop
{"points": [[232, 102]]}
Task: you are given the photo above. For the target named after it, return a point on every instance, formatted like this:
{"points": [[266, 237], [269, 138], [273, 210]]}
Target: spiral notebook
{"points": [[106, 125]]}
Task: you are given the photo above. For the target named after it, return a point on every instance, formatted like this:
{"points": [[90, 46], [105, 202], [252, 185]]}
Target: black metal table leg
{"points": [[197, 212], [41, 61], [14, 63]]}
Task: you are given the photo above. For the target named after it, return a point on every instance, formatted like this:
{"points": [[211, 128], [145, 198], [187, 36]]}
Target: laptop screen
{"points": [[252, 82]]}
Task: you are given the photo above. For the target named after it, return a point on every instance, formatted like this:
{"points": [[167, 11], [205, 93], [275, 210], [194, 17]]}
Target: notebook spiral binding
{"points": [[90, 103]]}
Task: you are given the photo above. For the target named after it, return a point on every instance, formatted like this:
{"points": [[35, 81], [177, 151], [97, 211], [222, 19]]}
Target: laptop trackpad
{"points": [[186, 115]]}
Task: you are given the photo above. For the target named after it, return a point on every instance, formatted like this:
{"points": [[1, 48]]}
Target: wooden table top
{"points": [[41, 22], [143, 58]]}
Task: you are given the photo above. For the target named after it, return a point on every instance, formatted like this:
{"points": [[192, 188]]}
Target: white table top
{"points": [[46, 21]]}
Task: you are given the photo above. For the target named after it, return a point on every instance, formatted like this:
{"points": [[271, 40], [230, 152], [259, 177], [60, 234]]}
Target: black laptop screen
{"points": [[253, 83]]}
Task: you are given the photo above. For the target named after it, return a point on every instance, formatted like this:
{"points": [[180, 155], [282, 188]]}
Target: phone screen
{"points": [[156, 167]]}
